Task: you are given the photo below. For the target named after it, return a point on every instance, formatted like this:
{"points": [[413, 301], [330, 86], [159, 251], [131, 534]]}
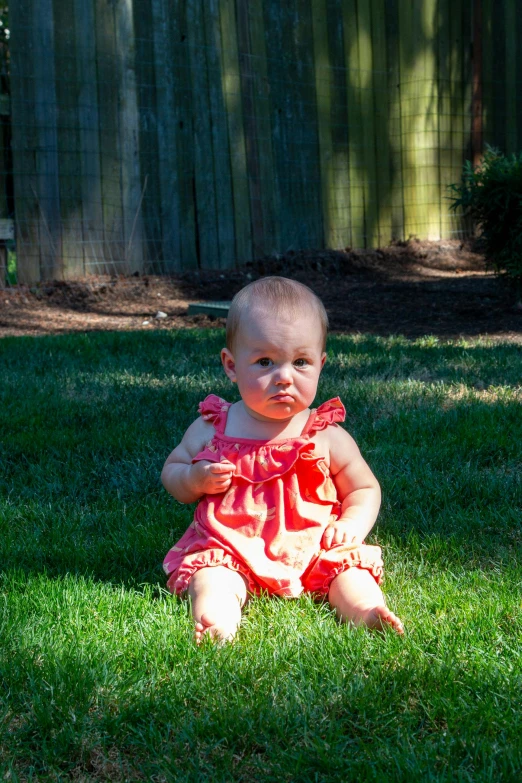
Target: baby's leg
{"points": [[357, 598], [217, 595]]}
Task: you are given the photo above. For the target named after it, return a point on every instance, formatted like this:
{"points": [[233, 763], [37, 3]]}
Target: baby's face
{"points": [[276, 363]]}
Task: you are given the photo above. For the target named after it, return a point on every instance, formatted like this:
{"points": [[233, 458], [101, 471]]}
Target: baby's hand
{"points": [[211, 478], [340, 533]]}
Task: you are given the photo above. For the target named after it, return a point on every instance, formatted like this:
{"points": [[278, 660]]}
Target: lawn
{"points": [[100, 680]]}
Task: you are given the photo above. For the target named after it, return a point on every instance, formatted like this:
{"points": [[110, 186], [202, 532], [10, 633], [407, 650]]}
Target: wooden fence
{"points": [[165, 135]]}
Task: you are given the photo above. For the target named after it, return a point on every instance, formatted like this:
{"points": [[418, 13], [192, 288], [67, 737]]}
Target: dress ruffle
{"points": [[256, 461], [208, 558], [332, 562], [214, 409]]}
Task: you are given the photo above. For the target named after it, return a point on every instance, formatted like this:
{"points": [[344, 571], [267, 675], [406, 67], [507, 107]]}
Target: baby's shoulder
{"points": [[334, 443], [198, 435]]}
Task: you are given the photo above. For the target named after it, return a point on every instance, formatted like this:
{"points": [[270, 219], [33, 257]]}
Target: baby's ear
{"points": [[229, 364], [323, 359]]}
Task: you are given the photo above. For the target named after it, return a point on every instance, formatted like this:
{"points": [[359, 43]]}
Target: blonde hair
{"points": [[279, 294]]}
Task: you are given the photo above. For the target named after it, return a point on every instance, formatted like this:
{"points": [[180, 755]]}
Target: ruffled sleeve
{"points": [[214, 409], [330, 412]]}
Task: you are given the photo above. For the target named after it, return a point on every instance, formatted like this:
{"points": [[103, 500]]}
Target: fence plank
{"points": [[366, 66], [381, 127], [110, 142], [168, 120], [262, 110], [518, 80], [184, 134], [355, 129], [323, 73], [204, 175], [247, 69], [236, 130], [487, 71], [220, 144], [498, 75], [132, 187], [394, 119], [411, 76], [511, 76], [342, 231], [27, 215], [445, 151], [68, 138], [89, 138], [459, 127], [45, 115], [427, 124], [148, 148], [309, 221]]}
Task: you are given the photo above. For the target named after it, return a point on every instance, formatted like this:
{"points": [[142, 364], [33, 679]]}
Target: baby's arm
{"points": [[357, 489], [188, 481]]}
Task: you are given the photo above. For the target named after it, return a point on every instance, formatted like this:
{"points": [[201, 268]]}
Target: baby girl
{"points": [[285, 499]]}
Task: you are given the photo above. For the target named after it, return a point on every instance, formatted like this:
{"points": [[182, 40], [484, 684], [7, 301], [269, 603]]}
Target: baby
{"points": [[285, 499]]}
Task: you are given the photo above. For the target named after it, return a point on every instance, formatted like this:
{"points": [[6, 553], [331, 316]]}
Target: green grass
{"points": [[99, 678]]}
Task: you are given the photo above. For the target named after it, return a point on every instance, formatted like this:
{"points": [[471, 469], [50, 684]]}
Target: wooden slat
{"points": [[518, 79], [89, 170], [426, 123], [220, 142], [341, 223], [309, 224], [132, 185], [366, 67], [487, 70], [498, 75], [184, 135], [206, 208], [23, 143], [410, 79], [278, 34], [148, 170], [355, 124], [394, 121], [381, 96], [110, 142], [68, 138], [46, 116], [247, 69], [511, 75], [236, 130], [445, 141], [262, 110], [323, 74], [168, 131], [458, 127]]}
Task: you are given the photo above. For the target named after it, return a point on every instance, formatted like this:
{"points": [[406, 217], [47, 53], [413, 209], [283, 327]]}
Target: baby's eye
{"points": [[264, 362], [300, 363]]}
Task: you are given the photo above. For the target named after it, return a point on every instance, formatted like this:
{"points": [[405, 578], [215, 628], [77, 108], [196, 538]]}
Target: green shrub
{"points": [[491, 195]]}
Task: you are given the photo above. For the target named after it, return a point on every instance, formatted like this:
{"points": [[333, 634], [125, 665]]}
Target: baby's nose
{"points": [[284, 374]]}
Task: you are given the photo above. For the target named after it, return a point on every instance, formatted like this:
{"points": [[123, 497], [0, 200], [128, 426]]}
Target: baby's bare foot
{"points": [[379, 617], [221, 629]]}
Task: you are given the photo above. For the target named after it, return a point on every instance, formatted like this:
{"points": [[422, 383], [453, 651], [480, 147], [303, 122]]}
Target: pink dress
{"points": [[269, 524]]}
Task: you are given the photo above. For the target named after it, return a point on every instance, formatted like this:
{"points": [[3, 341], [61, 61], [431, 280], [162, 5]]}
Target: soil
{"points": [[411, 288]]}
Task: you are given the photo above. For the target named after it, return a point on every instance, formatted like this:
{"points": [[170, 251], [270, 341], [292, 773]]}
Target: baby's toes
{"points": [[383, 617]]}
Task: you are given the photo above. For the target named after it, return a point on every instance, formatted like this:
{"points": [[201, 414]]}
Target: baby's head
{"points": [[276, 335], [275, 297]]}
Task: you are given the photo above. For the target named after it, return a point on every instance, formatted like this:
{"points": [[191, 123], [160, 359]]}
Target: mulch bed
{"points": [[410, 288]]}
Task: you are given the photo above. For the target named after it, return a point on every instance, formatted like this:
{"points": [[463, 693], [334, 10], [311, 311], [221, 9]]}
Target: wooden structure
{"points": [[163, 135]]}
